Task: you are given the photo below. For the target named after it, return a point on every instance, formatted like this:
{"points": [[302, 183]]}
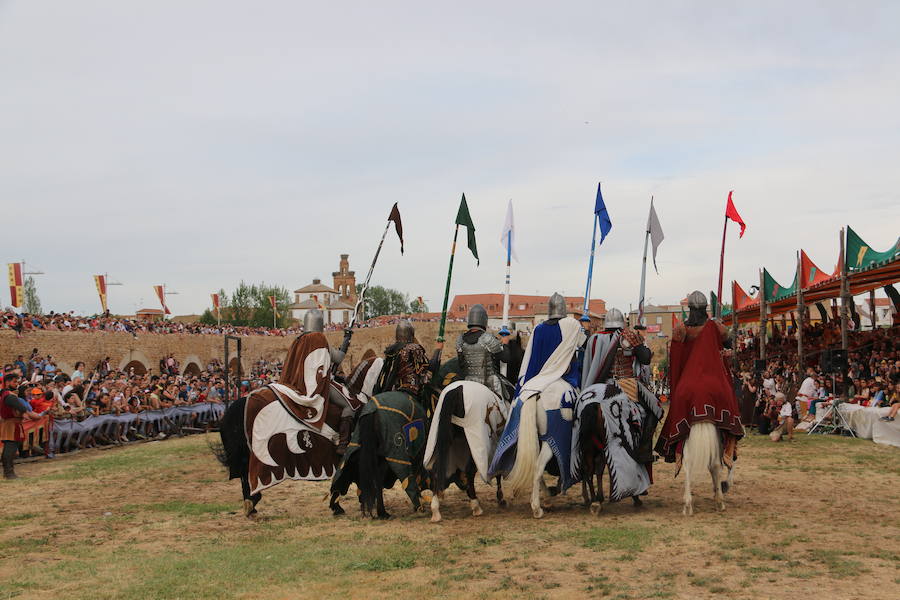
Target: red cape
{"points": [[701, 390]]}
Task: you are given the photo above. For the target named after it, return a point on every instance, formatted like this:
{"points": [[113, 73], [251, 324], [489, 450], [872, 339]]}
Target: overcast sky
{"points": [[201, 143]]}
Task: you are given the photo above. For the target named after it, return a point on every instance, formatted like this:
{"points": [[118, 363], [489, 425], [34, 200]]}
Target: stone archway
{"points": [[192, 365], [136, 359]]}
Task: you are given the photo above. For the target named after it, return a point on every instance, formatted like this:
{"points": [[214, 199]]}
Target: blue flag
{"points": [[603, 215]]}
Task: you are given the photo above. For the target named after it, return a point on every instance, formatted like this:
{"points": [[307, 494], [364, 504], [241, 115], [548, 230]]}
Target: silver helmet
{"points": [[314, 320], [614, 319], [557, 307], [697, 300], [405, 331], [478, 317]]}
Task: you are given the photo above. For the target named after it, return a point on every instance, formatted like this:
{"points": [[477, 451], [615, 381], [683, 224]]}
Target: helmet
{"points": [[557, 307], [478, 317], [314, 320], [405, 331], [614, 319], [697, 300]]}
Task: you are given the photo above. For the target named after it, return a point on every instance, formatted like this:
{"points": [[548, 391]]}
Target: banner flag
{"points": [[398, 225], [16, 285], [100, 281], [508, 237], [602, 215], [656, 232], [732, 213], [215, 303], [161, 294], [465, 219]]}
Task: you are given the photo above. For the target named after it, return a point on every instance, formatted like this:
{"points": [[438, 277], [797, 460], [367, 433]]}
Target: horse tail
{"points": [[233, 451], [368, 473], [521, 477], [703, 449], [452, 405]]}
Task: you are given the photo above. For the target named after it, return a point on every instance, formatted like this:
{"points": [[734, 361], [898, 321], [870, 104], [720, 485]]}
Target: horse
{"points": [[234, 450], [467, 420], [386, 447], [703, 449], [591, 445]]}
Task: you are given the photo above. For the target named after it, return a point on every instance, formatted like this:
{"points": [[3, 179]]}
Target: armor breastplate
{"points": [[623, 363], [476, 360]]}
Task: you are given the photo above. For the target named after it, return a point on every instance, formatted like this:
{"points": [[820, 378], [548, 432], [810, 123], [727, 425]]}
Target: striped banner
{"points": [[16, 285], [100, 281], [161, 294], [215, 302]]}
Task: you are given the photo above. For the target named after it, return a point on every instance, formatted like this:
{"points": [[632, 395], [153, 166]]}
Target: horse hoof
{"points": [[553, 490], [638, 503], [720, 506], [248, 508], [337, 510], [502, 503], [436, 518], [384, 517], [476, 509], [596, 508], [688, 510], [537, 512]]}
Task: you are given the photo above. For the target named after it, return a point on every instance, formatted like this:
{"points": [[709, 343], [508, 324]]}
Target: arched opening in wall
{"points": [[138, 366], [191, 369]]}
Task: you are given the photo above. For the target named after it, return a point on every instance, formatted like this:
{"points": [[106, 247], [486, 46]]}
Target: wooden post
{"points": [[800, 316], [762, 316], [872, 308], [845, 293]]}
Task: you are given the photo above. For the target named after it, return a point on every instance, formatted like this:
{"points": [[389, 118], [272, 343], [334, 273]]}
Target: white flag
{"points": [[507, 240], [656, 232]]}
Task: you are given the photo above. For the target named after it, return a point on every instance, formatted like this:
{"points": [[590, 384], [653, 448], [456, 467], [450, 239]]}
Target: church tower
{"points": [[345, 281]]}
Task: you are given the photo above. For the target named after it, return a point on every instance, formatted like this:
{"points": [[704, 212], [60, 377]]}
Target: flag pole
{"points": [[440, 337], [717, 310], [587, 288], [362, 292], [640, 318], [508, 268]]}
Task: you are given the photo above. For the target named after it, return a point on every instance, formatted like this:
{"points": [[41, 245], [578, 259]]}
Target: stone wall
{"points": [[68, 347]]}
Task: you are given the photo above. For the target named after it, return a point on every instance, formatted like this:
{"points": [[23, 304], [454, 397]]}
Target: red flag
{"points": [[732, 213], [674, 321], [16, 285], [398, 225], [272, 301], [215, 301], [100, 281], [161, 294]]}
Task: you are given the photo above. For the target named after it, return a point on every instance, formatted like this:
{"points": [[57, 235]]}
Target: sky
{"points": [[198, 144]]}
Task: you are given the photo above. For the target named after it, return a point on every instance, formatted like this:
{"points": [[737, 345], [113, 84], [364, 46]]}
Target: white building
{"points": [[328, 300]]}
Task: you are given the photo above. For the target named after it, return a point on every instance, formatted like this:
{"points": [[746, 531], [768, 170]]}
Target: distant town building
{"points": [[525, 312], [337, 302]]}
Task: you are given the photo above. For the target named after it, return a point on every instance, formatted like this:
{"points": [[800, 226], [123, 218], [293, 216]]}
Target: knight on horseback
{"points": [[540, 423], [469, 415], [616, 414], [480, 353], [388, 442], [703, 424]]}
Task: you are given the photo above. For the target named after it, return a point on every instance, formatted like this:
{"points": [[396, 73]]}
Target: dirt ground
{"points": [[816, 518]]}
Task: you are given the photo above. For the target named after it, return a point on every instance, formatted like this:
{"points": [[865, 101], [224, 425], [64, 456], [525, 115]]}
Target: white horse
{"points": [[532, 455], [468, 419], [703, 450]]}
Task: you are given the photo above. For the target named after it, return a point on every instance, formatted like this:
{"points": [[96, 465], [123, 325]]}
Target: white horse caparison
{"points": [[532, 455], [464, 442], [703, 450]]}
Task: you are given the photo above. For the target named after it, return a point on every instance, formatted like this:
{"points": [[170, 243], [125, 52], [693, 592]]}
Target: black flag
{"points": [[398, 225]]}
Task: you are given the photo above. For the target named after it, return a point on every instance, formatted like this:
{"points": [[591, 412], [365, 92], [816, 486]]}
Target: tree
{"points": [[241, 304], [32, 301], [384, 301], [262, 313], [418, 306]]}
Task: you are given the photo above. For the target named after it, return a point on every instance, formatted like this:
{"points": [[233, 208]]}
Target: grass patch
{"points": [[186, 509], [629, 539]]}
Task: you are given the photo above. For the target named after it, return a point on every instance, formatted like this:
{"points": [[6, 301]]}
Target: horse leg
{"points": [[436, 506], [471, 472], [335, 505], [250, 501], [538, 483], [500, 501], [716, 472], [598, 467], [688, 509], [379, 495]]}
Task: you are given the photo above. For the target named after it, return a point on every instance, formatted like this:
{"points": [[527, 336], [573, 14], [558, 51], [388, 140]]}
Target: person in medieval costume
{"points": [[406, 366], [700, 384], [549, 357], [613, 377], [480, 353]]}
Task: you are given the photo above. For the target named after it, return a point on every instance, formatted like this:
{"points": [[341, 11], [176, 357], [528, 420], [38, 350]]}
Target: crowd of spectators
{"points": [[101, 390], [787, 394], [22, 323]]}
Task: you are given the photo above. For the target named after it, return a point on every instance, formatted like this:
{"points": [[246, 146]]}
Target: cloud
{"points": [[201, 143]]}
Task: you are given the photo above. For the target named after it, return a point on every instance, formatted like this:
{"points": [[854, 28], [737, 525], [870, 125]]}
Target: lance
{"points": [[640, 319], [590, 273], [447, 288]]}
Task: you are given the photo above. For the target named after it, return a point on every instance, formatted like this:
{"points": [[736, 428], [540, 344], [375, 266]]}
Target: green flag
{"points": [[465, 219]]}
